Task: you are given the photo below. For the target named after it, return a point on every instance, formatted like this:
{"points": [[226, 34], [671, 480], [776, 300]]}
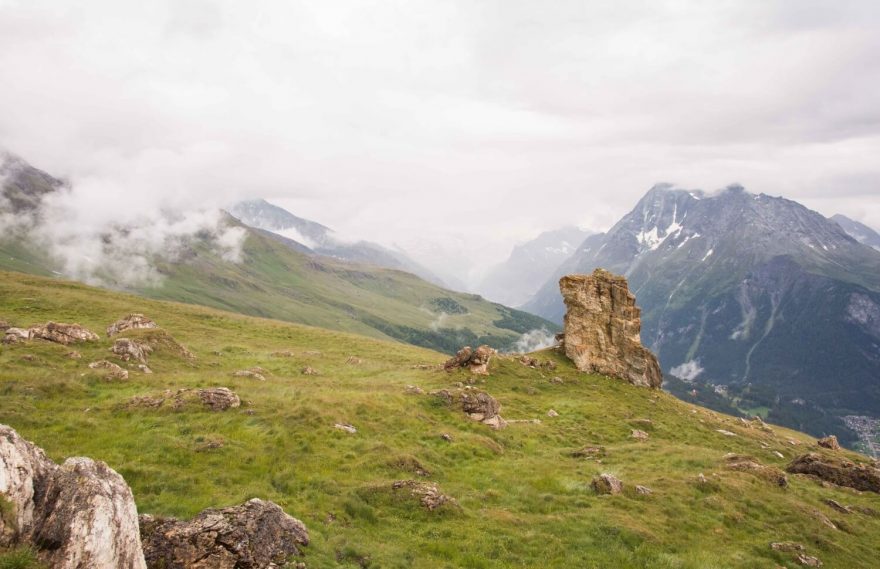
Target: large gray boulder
{"points": [[255, 535], [80, 515]]}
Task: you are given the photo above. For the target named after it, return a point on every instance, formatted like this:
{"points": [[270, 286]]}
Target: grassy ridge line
{"points": [[524, 501]]}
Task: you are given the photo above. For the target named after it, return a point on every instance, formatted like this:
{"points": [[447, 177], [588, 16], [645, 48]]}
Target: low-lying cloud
{"points": [[533, 340]]}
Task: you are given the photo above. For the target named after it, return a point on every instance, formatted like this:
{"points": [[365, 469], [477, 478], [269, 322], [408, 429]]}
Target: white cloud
{"points": [[475, 123], [688, 371]]}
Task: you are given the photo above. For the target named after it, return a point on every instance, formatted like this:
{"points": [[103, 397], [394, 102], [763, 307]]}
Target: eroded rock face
{"points": [[130, 322], [62, 333], [79, 515], [829, 442], [254, 535], [837, 471], [475, 360], [602, 326]]}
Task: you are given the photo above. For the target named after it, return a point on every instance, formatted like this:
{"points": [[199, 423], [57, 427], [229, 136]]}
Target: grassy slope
{"points": [[275, 281], [524, 501]]}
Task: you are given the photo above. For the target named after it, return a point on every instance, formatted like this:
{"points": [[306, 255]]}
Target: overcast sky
{"points": [[470, 124]]}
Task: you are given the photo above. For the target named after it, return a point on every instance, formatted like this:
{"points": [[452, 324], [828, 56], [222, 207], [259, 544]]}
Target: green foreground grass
{"points": [[523, 501]]}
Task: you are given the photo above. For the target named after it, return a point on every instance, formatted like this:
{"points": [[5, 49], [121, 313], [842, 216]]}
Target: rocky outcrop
{"points": [[478, 405], [214, 398], [130, 322], [837, 471], [131, 350], [78, 515], [255, 535], [748, 464], [829, 442], [602, 326], [62, 333], [475, 360]]}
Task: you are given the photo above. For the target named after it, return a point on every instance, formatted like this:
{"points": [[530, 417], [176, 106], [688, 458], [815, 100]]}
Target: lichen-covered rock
{"points": [[255, 535], [15, 335], [80, 515], [478, 405], [602, 326], [62, 333], [214, 398], [477, 361], [113, 371], [837, 471], [607, 484], [130, 322], [829, 442], [128, 350], [257, 373], [428, 493]]}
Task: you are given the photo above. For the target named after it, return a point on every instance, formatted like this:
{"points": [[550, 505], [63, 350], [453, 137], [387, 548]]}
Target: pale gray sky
{"points": [[450, 127]]}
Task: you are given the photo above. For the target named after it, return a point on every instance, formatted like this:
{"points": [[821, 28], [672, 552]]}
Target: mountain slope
{"points": [[740, 289], [277, 278], [324, 241], [522, 498], [858, 231], [517, 279]]}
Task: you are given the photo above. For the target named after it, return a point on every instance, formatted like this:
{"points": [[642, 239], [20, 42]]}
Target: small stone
{"points": [[639, 435], [787, 547], [643, 490], [413, 390], [350, 429], [552, 413], [808, 560], [144, 369], [74, 355], [354, 361], [254, 373], [309, 370], [131, 322], [446, 437], [725, 433], [557, 380], [113, 370]]}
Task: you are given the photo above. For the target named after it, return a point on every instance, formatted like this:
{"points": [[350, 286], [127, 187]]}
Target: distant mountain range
{"points": [[279, 277], [858, 231], [319, 239], [755, 302], [517, 279]]}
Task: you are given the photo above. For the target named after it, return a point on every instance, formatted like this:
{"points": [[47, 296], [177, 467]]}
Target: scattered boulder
{"points": [[80, 514], [838, 471], [748, 464], [557, 380], [309, 370], [602, 326], [552, 413], [787, 547], [130, 322], [829, 442], [113, 371], [214, 398], [354, 361], [74, 355], [478, 405], [413, 390], [589, 452], [446, 437], [726, 433], [428, 493], [607, 484], [350, 429], [643, 490], [15, 335], [129, 350], [218, 398], [639, 435], [255, 535], [808, 560], [475, 360], [257, 373], [62, 333]]}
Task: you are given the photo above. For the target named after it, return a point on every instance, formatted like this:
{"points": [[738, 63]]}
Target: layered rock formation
{"points": [[838, 471], [62, 333], [256, 534], [602, 326], [79, 515]]}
